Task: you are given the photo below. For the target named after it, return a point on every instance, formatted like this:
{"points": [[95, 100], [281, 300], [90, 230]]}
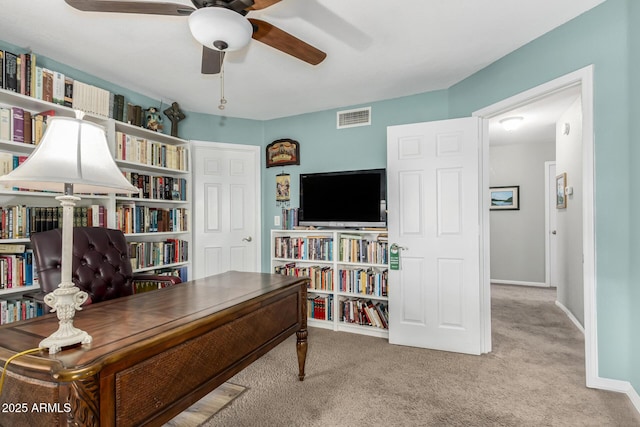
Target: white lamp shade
{"points": [[211, 24], [71, 151]]}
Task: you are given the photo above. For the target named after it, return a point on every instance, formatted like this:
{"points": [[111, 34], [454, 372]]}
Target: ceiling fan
{"points": [[219, 25]]}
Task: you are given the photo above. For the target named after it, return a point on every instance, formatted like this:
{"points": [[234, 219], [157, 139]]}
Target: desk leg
{"points": [[301, 346]]}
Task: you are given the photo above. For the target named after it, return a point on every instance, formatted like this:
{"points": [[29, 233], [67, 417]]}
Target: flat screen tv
{"points": [[349, 199]]}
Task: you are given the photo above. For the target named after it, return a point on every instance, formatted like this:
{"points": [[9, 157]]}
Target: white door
{"points": [[226, 205], [433, 179], [551, 242]]}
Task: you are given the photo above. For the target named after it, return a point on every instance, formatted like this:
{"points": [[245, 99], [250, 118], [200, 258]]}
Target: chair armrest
{"points": [[148, 282]]}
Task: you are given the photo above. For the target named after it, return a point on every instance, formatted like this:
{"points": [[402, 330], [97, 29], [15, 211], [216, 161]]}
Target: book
{"points": [[11, 248], [27, 127], [17, 125], [118, 110], [1, 69], [6, 162], [68, 92], [5, 123], [10, 71], [38, 82], [33, 74], [47, 85], [58, 88], [25, 74]]}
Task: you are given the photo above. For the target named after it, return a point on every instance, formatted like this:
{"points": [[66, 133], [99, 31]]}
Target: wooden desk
{"points": [[153, 354]]}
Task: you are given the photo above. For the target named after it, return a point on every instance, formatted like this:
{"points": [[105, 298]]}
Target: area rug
{"points": [[198, 413]]}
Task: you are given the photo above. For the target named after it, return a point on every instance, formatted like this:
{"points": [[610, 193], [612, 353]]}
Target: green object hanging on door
{"points": [[394, 257]]}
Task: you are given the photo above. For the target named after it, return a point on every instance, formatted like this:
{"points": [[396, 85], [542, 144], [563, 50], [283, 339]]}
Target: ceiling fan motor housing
{"points": [[219, 28]]}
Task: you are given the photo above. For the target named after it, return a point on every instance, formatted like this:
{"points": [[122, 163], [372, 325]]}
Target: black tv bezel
{"points": [[382, 223]]}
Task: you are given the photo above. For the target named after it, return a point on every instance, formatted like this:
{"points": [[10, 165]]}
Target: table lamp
{"points": [[73, 156]]}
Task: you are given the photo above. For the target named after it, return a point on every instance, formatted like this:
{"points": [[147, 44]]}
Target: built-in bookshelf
{"points": [[157, 217], [348, 271], [157, 220]]}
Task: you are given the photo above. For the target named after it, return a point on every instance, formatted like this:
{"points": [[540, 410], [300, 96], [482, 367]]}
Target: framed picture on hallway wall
{"points": [[505, 198], [561, 194]]}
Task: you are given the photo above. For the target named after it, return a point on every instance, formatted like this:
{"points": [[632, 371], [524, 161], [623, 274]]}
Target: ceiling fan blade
{"points": [[150, 8], [285, 42], [262, 4], [211, 60]]}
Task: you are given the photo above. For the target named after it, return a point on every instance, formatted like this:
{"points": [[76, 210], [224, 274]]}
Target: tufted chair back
{"points": [[101, 265]]}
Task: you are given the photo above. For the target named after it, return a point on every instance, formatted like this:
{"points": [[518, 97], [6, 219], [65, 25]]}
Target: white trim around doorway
{"points": [[584, 78]]}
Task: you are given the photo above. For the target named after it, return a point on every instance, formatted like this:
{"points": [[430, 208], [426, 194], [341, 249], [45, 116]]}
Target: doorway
{"points": [[582, 78], [226, 193]]}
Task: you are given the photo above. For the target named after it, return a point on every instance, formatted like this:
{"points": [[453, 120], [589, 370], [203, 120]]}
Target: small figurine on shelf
{"points": [[153, 119], [175, 115]]}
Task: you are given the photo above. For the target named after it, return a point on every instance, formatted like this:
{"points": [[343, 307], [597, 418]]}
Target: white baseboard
{"points": [[519, 283], [570, 316], [619, 387]]}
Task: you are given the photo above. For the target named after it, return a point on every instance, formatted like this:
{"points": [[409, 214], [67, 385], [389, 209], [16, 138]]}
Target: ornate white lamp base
{"points": [[65, 300]]}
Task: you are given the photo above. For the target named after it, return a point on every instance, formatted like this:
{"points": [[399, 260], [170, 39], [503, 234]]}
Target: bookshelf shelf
{"points": [[14, 152], [320, 255]]}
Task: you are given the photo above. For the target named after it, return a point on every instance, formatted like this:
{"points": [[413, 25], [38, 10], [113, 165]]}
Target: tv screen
{"points": [[344, 199]]}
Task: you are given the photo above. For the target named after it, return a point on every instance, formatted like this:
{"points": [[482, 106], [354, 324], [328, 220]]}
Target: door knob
{"points": [[396, 247], [553, 232], [247, 239]]}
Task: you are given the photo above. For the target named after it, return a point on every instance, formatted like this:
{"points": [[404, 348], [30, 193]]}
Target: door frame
{"points": [[548, 206], [584, 78], [256, 151]]}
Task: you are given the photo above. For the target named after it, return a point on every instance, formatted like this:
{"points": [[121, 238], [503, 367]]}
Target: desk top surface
{"points": [[132, 321]]}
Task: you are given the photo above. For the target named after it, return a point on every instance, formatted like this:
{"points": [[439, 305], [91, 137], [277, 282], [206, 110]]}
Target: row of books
{"points": [[9, 162], [364, 281], [158, 187], [289, 218], [181, 271], [12, 310], [321, 278], [17, 268], [131, 218], [364, 312], [151, 254], [19, 222], [305, 248], [140, 286], [141, 150], [21, 73], [20, 125], [355, 248], [320, 307]]}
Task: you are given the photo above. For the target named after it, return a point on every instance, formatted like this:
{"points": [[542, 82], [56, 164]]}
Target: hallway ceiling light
{"points": [[511, 123]]}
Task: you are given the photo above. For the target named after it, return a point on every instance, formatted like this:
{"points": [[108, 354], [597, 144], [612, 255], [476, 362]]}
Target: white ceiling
{"points": [[375, 49]]}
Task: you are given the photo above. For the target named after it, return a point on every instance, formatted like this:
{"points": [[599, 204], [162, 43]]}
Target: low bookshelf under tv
{"points": [[348, 271]]}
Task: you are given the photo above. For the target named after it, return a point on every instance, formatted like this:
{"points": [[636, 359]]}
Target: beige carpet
{"points": [[202, 410], [533, 377]]}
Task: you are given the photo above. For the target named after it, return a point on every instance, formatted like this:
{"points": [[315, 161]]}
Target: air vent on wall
{"points": [[352, 118]]}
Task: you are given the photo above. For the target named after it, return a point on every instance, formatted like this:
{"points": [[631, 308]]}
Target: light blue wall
{"points": [[599, 37], [634, 161]]}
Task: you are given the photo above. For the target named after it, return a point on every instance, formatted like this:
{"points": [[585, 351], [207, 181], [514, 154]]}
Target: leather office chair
{"points": [[101, 265]]}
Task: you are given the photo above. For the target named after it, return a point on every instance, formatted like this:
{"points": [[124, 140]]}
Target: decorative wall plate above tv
{"points": [[283, 152]]}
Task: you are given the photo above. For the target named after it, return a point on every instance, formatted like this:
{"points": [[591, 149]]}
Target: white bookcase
{"points": [[337, 261], [10, 197], [161, 214]]}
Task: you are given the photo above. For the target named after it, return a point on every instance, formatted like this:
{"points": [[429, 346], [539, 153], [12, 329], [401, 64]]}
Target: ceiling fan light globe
{"points": [[211, 25]]}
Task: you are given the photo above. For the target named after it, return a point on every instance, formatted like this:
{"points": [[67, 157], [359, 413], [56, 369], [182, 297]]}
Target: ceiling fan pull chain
{"points": [[222, 100]]}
